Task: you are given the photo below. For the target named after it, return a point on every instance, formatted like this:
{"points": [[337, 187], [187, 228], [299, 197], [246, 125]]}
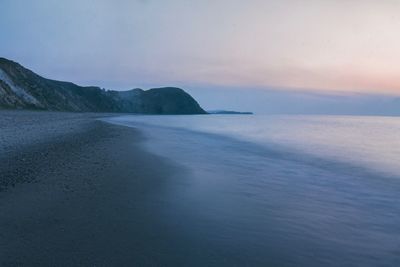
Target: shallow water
{"points": [[280, 190]]}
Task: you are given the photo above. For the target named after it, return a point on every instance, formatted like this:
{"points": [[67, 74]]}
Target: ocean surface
{"points": [[260, 190]]}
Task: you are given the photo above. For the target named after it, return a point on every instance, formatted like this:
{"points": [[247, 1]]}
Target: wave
{"points": [[275, 204]]}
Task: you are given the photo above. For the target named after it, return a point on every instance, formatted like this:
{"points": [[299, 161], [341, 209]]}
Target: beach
{"points": [[75, 191], [87, 189]]}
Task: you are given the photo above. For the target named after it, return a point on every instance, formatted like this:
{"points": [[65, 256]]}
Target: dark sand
{"points": [[76, 191]]}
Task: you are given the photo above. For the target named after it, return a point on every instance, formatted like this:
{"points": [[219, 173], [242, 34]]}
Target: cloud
{"points": [[325, 45]]}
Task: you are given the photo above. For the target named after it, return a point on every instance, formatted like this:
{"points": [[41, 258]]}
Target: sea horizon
{"points": [[333, 196], [261, 133]]}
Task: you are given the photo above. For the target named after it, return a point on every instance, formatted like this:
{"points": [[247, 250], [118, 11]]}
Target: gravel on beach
{"points": [[77, 191]]}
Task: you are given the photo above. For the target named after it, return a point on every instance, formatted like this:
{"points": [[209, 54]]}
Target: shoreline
{"points": [[101, 194], [79, 195]]}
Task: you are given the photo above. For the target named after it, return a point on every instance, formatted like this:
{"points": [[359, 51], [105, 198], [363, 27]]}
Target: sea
{"points": [[279, 190]]}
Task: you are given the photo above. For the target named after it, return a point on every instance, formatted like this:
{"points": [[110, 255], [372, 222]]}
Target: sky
{"points": [[225, 46]]}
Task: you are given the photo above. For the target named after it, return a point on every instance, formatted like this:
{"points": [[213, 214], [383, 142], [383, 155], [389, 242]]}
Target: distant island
{"points": [[229, 112], [21, 88]]}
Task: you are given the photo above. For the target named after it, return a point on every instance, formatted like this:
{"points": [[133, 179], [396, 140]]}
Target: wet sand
{"points": [[76, 191]]}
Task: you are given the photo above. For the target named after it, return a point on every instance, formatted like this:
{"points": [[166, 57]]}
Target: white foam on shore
{"points": [[371, 142], [288, 183]]}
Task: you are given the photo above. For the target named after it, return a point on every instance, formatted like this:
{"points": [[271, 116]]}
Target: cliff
{"points": [[21, 88]]}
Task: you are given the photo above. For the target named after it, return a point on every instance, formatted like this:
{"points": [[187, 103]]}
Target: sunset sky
{"points": [[322, 45]]}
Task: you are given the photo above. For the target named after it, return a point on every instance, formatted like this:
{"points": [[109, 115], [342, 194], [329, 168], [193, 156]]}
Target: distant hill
{"points": [[229, 112], [21, 88]]}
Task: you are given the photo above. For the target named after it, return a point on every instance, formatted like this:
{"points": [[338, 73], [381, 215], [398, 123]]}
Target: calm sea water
{"points": [[280, 190]]}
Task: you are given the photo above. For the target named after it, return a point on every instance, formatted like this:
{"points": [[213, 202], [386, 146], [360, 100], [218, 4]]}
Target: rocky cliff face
{"points": [[20, 88]]}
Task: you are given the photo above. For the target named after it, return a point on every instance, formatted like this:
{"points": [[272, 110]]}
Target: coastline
{"points": [[78, 194], [249, 204], [93, 193]]}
